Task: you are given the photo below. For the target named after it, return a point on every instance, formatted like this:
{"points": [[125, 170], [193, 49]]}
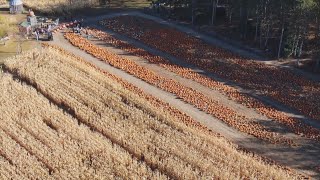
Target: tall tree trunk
{"points": [[282, 28], [260, 39], [281, 39], [170, 9], [295, 47], [257, 24], [318, 27], [246, 25], [300, 48], [295, 39], [214, 11], [267, 36], [193, 9], [304, 32], [241, 16], [299, 39], [256, 31], [230, 16]]}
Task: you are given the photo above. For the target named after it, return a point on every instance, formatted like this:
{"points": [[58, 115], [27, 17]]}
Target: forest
{"points": [[281, 28]]}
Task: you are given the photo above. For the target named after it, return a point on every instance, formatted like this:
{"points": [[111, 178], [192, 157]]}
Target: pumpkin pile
{"points": [[281, 85], [188, 95], [294, 125]]}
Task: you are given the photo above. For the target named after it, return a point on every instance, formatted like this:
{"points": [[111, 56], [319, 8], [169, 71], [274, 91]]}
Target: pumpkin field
{"points": [[131, 98], [95, 127], [279, 84], [225, 115]]}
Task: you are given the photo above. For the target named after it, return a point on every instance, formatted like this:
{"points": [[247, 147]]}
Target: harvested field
{"points": [[279, 84], [64, 119]]}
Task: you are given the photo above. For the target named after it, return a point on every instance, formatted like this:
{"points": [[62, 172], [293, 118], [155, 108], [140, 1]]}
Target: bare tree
{"points": [[214, 11]]}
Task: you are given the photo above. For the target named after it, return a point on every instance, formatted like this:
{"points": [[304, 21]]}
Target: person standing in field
{"points": [[49, 28], [37, 34], [80, 23], [29, 30], [87, 34]]}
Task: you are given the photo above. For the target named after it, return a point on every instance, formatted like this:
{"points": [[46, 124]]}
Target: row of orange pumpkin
{"points": [[187, 94], [280, 84]]}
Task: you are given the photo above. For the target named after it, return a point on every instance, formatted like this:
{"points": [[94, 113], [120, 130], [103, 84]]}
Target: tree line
{"points": [[286, 24]]}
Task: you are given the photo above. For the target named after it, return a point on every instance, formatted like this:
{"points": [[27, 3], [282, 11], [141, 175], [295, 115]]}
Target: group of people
{"points": [[77, 26], [44, 30], [35, 28]]}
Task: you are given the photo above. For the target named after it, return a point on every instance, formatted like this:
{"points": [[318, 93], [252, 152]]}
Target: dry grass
{"points": [[63, 119], [64, 6], [52, 144], [59, 6]]}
